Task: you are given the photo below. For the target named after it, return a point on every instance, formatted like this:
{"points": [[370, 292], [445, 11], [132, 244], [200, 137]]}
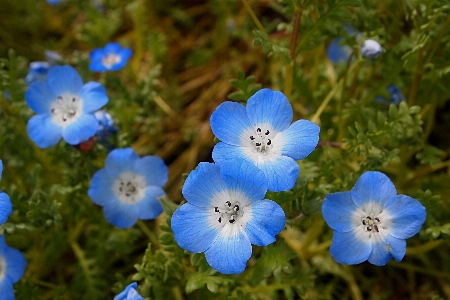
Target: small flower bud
{"points": [[370, 49]]}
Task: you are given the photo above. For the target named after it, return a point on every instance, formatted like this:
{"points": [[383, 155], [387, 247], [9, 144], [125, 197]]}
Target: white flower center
{"points": [[2, 268], [110, 60], [372, 219], [129, 188], [66, 109], [262, 140], [229, 211]]}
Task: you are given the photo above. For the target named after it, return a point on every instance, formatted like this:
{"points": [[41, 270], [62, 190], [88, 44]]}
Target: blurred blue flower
{"points": [[395, 93], [5, 205], [371, 222], [128, 187], [106, 126], [129, 293], [112, 58], [12, 267], [337, 52], [225, 213], [370, 49], [53, 2], [64, 107], [37, 71], [262, 133]]}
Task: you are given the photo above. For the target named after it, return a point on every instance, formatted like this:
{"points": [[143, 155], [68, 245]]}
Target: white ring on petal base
{"points": [[129, 188], [66, 109], [2, 268]]}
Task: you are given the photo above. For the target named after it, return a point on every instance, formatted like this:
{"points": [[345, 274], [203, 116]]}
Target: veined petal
{"points": [[405, 216], [373, 186], [94, 96], [281, 173], [230, 251], [351, 247], [264, 219], [15, 264], [39, 97], [298, 140], [339, 210], [149, 207], [383, 248], [121, 160], [80, 130], [43, 131], [223, 152], [100, 190], [120, 215], [5, 207], [203, 184], [230, 124], [269, 107], [64, 79], [193, 228], [153, 169]]}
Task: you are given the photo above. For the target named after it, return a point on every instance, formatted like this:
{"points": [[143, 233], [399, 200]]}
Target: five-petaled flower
{"points": [[111, 58], [12, 267], [262, 133], [64, 107], [128, 187], [129, 293], [225, 214], [371, 222], [5, 203]]}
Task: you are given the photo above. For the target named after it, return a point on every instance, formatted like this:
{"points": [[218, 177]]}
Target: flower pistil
{"points": [[64, 109], [262, 140], [229, 211]]}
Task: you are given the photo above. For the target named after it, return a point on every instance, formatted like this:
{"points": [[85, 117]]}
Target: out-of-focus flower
{"points": [[64, 107], [129, 293], [53, 2], [225, 213], [395, 93], [5, 205], [38, 71], [106, 126], [12, 267], [128, 187], [370, 49], [262, 133], [111, 58], [337, 52], [53, 57], [371, 222]]}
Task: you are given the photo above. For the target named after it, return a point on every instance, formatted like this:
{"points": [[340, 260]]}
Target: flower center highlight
{"points": [[129, 188], [261, 141], [229, 212], [371, 223], [110, 60], [65, 109]]}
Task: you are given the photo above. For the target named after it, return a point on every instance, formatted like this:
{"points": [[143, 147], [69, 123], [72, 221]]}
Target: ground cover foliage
{"points": [[188, 57]]}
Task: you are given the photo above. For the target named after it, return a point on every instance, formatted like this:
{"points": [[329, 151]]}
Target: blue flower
{"points": [[129, 293], [106, 126], [128, 187], [5, 205], [262, 133], [12, 267], [37, 71], [371, 222], [64, 107], [370, 49], [53, 2], [337, 52], [112, 58], [225, 214], [395, 93]]}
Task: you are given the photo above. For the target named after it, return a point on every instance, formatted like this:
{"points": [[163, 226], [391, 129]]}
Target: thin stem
{"points": [[289, 73], [254, 17], [151, 236], [424, 248]]}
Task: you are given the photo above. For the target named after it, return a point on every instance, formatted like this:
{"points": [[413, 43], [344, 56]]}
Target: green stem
{"points": [[427, 271], [254, 17], [424, 247], [289, 73], [150, 234]]}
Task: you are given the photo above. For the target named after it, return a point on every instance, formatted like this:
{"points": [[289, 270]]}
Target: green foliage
{"points": [[245, 85]]}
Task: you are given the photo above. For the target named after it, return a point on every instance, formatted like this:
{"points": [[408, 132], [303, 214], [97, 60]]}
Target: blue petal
{"points": [[39, 97], [269, 107], [1, 168], [406, 216], [230, 251], [281, 173], [373, 186], [149, 207], [15, 261], [43, 131], [244, 177], [81, 130], [384, 249], [193, 229], [299, 140], [229, 123], [5, 207], [120, 160], [202, 184], [338, 209], [7, 289], [112, 48], [337, 52], [120, 215], [350, 249], [153, 169], [265, 221], [223, 152], [124, 54], [101, 187], [94, 96], [123, 295], [96, 64], [64, 79]]}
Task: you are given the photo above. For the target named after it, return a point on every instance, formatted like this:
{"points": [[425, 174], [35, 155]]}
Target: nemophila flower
{"points": [[370, 49], [225, 214], [37, 71], [64, 107], [337, 52], [12, 267], [371, 222], [106, 126], [129, 293], [112, 58], [5, 203], [128, 187], [262, 133], [395, 93]]}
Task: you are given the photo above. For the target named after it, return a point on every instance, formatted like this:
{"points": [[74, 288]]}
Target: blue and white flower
{"points": [[64, 107], [225, 213], [371, 222], [106, 126], [128, 187], [5, 203], [129, 293], [262, 133], [370, 49], [395, 93], [12, 267], [112, 58], [37, 71]]}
